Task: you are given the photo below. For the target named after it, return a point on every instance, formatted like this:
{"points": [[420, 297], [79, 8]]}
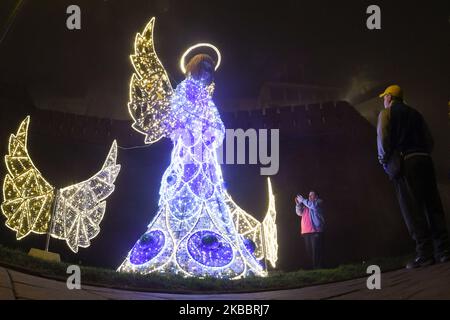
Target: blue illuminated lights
{"points": [[210, 249], [192, 204], [198, 229], [147, 247], [250, 245]]}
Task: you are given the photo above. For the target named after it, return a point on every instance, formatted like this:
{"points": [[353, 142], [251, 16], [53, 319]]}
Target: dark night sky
{"points": [[258, 41]]}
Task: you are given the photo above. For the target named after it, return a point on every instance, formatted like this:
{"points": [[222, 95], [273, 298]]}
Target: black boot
{"points": [[443, 258], [419, 262]]}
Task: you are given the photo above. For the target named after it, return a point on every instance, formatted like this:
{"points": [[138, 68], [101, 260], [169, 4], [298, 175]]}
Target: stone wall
{"points": [[329, 148]]}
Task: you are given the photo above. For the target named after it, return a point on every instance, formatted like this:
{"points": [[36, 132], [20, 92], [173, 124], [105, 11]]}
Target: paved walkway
{"points": [[427, 283]]}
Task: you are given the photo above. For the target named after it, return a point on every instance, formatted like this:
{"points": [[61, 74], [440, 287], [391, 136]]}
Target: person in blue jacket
{"points": [[312, 225]]}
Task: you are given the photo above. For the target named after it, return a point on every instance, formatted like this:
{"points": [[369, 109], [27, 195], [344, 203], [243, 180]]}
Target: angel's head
{"points": [[201, 68]]}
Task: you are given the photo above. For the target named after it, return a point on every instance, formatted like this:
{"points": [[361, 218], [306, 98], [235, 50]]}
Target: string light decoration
{"points": [[198, 229], [28, 198], [269, 228], [198, 45], [150, 88], [260, 239], [80, 207]]}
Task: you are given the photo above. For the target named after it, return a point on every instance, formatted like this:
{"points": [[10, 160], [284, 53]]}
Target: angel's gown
{"points": [[193, 232]]}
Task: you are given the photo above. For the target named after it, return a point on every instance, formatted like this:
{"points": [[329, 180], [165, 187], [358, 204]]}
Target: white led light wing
{"points": [[247, 226], [80, 207], [270, 229]]}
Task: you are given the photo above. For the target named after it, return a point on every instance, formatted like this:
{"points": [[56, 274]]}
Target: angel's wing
{"points": [[150, 89], [80, 207], [263, 235], [246, 225], [27, 196], [269, 228]]}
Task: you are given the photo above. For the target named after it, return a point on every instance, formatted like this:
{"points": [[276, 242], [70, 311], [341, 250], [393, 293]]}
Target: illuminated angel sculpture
{"points": [[32, 205], [198, 229]]}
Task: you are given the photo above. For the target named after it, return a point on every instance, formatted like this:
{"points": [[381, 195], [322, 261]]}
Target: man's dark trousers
{"points": [[421, 206], [314, 247]]}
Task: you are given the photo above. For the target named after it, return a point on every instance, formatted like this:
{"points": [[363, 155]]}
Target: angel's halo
{"points": [[195, 46]]}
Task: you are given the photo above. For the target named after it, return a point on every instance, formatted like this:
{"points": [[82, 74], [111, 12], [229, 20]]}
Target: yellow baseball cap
{"points": [[394, 91]]}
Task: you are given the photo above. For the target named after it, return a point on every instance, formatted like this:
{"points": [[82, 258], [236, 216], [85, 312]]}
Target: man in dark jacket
{"points": [[404, 147]]}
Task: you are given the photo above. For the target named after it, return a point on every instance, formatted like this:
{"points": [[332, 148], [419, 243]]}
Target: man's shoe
{"points": [[420, 262], [444, 258]]}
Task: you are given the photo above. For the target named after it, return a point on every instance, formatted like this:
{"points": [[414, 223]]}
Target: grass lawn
{"points": [[20, 261]]}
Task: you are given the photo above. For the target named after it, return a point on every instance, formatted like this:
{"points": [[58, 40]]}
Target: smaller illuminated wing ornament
{"points": [[28, 199], [80, 207], [269, 228], [27, 196]]}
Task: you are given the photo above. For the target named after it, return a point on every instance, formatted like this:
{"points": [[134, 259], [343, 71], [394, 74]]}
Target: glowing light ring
{"points": [[208, 45]]}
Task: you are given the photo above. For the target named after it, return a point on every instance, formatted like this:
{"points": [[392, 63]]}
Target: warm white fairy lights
{"points": [[80, 207], [198, 230], [247, 226], [270, 229], [262, 235], [150, 88], [195, 46], [28, 197]]}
